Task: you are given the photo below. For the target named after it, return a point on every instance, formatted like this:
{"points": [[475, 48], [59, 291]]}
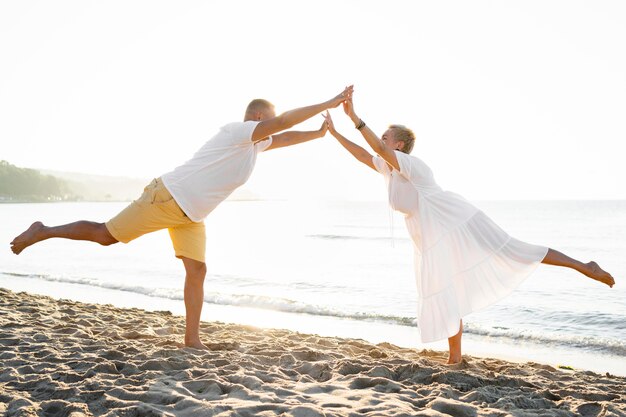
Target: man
{"points": [[181, 199]]}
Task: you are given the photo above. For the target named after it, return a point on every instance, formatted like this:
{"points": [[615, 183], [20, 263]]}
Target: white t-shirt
{"points": [[220, 166]]}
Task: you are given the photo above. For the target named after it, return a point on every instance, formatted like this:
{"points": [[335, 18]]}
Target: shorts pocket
{"points": [[160, 195], [148, 194]]}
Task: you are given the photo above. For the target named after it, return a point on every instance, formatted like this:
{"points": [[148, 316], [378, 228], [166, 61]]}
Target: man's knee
{"points": [[105, 238], [199, 272], [194, 269]]}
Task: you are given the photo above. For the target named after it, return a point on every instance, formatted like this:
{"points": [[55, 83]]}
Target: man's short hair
{"points": [[258, 104], [404, 134]]}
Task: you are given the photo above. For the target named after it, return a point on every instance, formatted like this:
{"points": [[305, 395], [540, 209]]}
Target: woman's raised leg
{"points": [[590, 269]]}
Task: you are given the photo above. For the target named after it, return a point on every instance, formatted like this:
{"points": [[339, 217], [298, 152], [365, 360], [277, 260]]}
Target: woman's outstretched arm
{"points": [[358, 152], [378, 146]]}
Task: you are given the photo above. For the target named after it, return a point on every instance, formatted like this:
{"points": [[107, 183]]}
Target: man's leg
{"points": [[194, 298], [80, 230], [142, 216]]}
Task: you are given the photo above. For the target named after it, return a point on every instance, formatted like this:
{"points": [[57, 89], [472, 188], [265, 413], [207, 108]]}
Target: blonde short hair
{"points": [[404, 134], [258, 105]]}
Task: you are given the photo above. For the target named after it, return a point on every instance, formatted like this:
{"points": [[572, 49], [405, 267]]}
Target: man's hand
{"points": [[346, 94], [328, 121], [324, 128]]}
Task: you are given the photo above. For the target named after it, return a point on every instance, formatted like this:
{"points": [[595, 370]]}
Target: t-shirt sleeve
{"points": [[242, 131], [410, 167], [381, 165], [262, 145]]}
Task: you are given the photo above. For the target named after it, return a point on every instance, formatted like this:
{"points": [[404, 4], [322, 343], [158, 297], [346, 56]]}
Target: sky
{"points": [[508, 99]]}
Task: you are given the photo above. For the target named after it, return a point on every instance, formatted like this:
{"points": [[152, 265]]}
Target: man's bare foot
{"points": [[196, 344], [593, 270], [30, 236]]}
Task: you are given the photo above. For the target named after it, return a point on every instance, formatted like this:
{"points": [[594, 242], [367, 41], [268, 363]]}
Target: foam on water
{"points": [[610, 324]]}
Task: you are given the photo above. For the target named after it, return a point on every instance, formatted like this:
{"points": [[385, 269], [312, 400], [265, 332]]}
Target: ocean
{"points": [[345, 269]]}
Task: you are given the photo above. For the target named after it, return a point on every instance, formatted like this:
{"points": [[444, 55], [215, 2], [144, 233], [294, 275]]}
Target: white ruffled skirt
{"points": [[464, 267]]}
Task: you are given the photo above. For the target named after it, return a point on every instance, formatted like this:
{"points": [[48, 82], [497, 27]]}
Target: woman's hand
{"points": [[348, 108]]}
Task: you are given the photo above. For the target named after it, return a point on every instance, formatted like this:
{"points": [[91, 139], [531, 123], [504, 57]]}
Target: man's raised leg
{"points": [[194, 298], [80, 230]]}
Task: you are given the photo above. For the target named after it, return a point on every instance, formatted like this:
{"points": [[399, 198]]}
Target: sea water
{"points": [[344, 269]]}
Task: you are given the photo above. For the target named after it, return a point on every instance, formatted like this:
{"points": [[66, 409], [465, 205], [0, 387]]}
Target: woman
{"points": [[463, 260]]}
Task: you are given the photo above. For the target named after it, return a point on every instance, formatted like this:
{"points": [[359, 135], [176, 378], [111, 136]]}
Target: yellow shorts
{"points": [[156, 209]]}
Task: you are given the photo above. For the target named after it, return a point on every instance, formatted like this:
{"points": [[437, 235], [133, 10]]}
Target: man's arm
{"points": [[293, 117], [293, 138], [378, 146], [359, 153]]}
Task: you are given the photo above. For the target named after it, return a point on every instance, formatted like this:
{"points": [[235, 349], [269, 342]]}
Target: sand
{"points": [[65, 358]]}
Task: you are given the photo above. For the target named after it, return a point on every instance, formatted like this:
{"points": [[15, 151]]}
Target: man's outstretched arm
{"points": [[293, 117], [293, 138]]}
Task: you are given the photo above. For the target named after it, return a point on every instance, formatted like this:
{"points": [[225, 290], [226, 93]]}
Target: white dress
{"points": [[463, 260]]}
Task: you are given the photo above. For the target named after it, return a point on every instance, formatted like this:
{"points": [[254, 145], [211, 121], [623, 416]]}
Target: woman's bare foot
{"points": [[593, 270], [453, 360], [196, 344], [30, 236]]}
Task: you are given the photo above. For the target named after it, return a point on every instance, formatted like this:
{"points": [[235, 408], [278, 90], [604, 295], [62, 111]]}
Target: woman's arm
{"points": [[358, 152], [378, 146], [293, 138]]}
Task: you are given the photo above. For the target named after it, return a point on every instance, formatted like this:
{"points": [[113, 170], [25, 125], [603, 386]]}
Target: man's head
{"points": [[258, 110], [400, 138]]}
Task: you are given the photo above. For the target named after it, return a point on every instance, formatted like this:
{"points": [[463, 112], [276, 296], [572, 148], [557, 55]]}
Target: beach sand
{"points": [[65, 358]]}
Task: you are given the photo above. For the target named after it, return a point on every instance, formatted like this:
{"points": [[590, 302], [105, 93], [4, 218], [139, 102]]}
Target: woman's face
{"points": [[389, 138]]}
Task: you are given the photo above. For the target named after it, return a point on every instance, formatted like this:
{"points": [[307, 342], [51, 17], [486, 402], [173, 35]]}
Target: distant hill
{"points": [[32, 185], [101, 187], [24, 184], [105, 188]]}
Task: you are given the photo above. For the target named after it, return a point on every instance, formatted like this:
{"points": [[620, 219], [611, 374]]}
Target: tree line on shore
{"points": [[25, 184]]}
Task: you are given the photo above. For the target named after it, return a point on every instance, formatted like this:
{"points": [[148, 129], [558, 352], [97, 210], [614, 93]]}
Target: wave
{"points": [[238, 300], [349, 237], [515, 335], [588, 343]]}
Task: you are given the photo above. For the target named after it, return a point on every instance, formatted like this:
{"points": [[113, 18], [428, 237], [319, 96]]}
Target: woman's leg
{"points": [[454, 343], [591, 269]]}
